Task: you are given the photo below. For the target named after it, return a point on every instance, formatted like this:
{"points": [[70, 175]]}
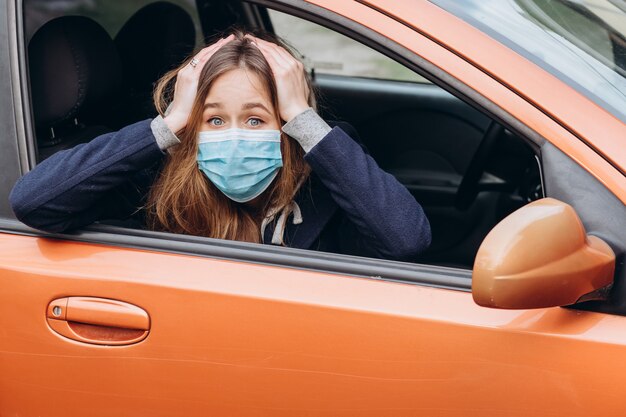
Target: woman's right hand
{"points": [[187, 85]]}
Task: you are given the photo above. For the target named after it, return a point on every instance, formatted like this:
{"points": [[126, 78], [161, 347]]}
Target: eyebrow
{"points": [[246, 106], [249, 106]]}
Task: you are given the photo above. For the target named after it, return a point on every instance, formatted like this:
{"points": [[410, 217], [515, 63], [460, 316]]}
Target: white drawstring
{"points": [[279, 231], [267, 220], [297, 213]]}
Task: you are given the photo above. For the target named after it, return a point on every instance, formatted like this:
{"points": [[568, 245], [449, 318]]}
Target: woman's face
{"points": [[238, 99]]}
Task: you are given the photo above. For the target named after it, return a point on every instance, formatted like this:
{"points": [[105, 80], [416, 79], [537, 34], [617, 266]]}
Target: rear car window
{"points": [[111, 15]]}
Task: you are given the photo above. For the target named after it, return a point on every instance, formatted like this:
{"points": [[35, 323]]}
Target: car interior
{"points": [[466, 170]]}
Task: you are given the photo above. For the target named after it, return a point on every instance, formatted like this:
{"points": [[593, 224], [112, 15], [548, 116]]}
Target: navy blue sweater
{"points": [[349, 206]]}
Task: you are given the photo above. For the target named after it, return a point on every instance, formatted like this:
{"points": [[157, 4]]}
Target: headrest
{"points": [[154, 40], [74, 70]]}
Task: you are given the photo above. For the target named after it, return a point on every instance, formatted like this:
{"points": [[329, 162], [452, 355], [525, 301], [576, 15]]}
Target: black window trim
{"points": [[395, 271], [426, 275]]}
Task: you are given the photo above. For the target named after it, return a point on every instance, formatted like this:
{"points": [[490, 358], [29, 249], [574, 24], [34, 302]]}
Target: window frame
{"points": [[15, 155], [419, 274]]}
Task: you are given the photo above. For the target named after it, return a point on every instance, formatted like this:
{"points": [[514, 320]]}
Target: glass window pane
{"points": [[329, 52], [110, 14]]}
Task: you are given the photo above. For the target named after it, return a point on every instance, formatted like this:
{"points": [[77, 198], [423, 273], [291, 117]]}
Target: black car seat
{"points": [[75, 79], [154, 40]]}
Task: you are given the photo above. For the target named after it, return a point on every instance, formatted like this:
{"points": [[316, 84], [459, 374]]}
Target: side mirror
{"points": [[540, 256]]}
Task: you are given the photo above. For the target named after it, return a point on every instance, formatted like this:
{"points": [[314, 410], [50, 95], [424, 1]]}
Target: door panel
{"points": [[229, 338]]}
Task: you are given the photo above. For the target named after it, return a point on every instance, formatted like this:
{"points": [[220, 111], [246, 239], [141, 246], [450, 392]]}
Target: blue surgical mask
{"points": [[241, 163]]}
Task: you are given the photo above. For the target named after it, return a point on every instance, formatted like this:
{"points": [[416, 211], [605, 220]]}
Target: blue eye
{"points": [[255, 122], [216, 121]]}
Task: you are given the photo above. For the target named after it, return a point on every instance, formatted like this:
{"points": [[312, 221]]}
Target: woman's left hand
{"points": [[293, 91]]}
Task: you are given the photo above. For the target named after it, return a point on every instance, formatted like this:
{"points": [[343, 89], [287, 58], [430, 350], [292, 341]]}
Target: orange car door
{"points": [[91, 329], [231, 338]]}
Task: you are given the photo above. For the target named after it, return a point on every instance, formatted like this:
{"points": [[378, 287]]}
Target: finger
{"points": [[270, 45], [285, 62], [271, 54], [219, 42], [207, 49], [296, 65], [211, 49], [285, 57], [285, 54], [278, 68], [275, 66], [266, 51], [205, 54], [258, 42], [200, 57], [251, 37]]}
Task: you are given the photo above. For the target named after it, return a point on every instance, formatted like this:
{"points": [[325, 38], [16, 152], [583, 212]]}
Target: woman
{"points": [[215, 163]]}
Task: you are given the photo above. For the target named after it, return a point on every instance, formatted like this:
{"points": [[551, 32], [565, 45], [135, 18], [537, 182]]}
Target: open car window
{"points": [[427, 138], [430, 140]]}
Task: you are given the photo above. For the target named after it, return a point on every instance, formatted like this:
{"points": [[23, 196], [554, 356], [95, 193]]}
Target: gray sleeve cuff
{"points": [[308, 128], [165, 138]]}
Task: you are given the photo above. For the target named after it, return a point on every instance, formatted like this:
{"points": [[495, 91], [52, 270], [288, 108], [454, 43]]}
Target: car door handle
{"points": [[99, 321]]}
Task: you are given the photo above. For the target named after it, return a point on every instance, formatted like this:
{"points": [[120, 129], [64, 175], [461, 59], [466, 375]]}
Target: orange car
{"points": [[505, 119]]}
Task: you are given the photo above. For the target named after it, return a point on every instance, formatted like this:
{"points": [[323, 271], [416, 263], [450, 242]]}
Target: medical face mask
{"points": [[241, 163]]}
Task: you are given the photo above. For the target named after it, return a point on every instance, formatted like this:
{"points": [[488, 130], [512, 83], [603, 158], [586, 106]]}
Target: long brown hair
{"points": [[182, 199]]}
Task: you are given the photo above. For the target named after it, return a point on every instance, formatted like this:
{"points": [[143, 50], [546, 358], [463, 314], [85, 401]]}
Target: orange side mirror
{"points": [[540, 256]]}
